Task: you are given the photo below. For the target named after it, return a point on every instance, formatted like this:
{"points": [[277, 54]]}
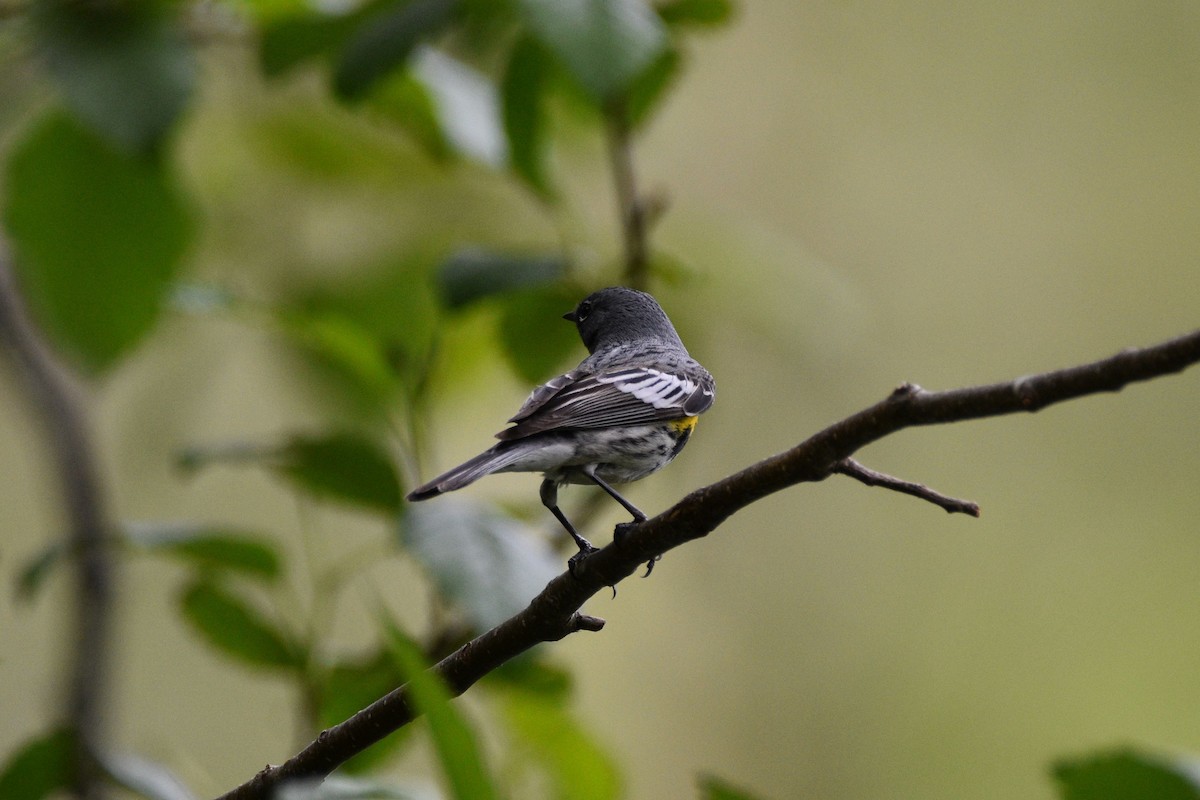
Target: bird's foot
{"points": [[575, 562]]}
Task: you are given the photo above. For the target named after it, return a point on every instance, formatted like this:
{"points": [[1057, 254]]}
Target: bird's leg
{"points": [[549, 495], [622, 529]]}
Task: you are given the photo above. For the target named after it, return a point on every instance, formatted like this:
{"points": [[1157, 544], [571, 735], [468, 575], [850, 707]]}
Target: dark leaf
{"points": [[209, 548], [473, 273], [337, 787], [231, 625], [605, 44], [98, 237], [578, 769], [352, 686], [714, 788], [1123, 775], [523, 95], [532, 674], [287, 42], [145, 778], [342, 466], [39, 769], [38, 568], [351, 355], [384, 41], [489, 565], [700, 13], [125, 68], [453, 740], [536, 338], [404, 100], [645, 94]]}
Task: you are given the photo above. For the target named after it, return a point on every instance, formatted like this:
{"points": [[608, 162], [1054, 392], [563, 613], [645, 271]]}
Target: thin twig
{"points": [[870, 477], [54, 398], [554, 613], [630, 206]]}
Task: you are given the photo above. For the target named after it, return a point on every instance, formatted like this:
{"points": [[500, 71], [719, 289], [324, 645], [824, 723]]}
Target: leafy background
{"points": [[859, 194]]}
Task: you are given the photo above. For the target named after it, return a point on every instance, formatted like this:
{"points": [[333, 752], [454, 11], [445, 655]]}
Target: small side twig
{"points": [[870, 477], [630, 206], [54, 397]]}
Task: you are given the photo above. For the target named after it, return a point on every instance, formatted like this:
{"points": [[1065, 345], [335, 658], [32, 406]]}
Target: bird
{"points": [[624, 413]]}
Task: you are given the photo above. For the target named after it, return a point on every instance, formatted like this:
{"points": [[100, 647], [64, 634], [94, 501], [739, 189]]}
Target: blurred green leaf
{"points": [[645, 93], [342, 466], [532, 674], [98, 237], [467, 106], [351, 686], [700, 13], [340, 343], [145, 778], [230, 624], [605, 44], [208, 547], [33, 575], [453, 740], [384, 41], [126, 69], [1123, 775], [285, 42], [578, 769], [404, 100], [488, 564], [523, 93], [40, 768], [536, 339], [714, 788], [473, 273]]}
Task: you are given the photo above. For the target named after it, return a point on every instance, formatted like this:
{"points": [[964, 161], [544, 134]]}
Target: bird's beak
{"points": [[570, 317]]}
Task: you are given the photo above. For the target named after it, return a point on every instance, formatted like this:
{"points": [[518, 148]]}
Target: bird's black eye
{"points": [[582, 312]]}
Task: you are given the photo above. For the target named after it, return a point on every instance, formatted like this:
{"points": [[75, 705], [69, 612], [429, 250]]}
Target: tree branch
{"points": [[54, 399], [631, 209], [554, 613], [870, 477]]}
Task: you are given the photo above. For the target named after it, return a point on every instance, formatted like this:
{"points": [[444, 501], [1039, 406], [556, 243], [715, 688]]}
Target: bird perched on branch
{"points": [[622, 414]]}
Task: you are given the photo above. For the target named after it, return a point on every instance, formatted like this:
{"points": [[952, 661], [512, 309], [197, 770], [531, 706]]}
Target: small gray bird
{"points": [[623, 413]]}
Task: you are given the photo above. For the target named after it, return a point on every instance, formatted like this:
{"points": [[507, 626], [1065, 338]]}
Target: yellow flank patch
{"points": [[684, 425]]}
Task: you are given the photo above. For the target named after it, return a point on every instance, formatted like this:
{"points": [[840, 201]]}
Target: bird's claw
{"points": [[577, 560]]}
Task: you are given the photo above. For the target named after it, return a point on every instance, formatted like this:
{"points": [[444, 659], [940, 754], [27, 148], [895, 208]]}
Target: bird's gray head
{"points": [[618, 315]]}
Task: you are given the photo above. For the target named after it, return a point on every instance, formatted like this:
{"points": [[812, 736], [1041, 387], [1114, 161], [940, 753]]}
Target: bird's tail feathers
{"points": [[491, 460]]}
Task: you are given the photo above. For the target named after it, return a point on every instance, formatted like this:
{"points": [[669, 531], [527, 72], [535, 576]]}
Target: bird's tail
{"points": [[491, 460]]}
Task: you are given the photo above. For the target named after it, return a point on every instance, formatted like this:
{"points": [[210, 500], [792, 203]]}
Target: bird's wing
{"points": [[631, 396]]}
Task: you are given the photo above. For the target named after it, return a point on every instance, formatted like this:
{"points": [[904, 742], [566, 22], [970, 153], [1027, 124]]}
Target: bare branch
{"points": [[554, 613], [53, 397], [870, 477]]}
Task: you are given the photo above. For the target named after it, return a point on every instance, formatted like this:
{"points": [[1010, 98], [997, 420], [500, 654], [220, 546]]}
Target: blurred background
{"points": [[860, 194]]}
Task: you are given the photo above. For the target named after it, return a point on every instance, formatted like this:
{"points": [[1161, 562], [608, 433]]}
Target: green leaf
{"points": [[714, 788], [530, 673], [126, 69], [385, 40], [474, 273], [651, 86], [699, 13], [342, 466], [535, 337], [523, 93], [577, 767], [1124, 775], [605, 44], [402, 99], [351, 686], [98, 237], [230, 624], [287, 42], [145, 778], [489, 565], [208, 547], [40, 768], [33, 575], [453, 740], [356, 357]]}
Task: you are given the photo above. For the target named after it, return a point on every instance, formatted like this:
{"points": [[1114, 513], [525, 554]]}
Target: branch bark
{"points": [[54, 398], [554, 613]]}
